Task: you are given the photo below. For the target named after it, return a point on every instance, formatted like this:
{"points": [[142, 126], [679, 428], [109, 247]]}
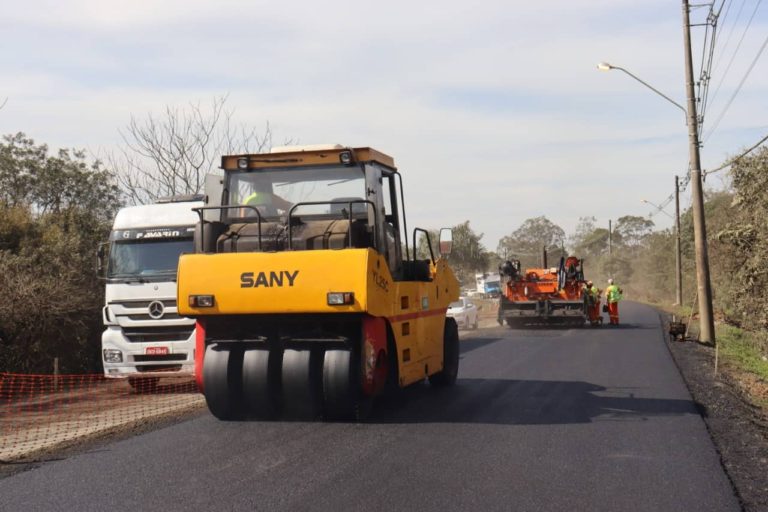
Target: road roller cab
{"points": [[309, 296]]}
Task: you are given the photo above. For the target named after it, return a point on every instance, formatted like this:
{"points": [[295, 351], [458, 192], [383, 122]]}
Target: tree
{"points": [[172, 154], [49, 230], [422, 248], [593, 246], [527, 242], [632, 230], [740, 246], [590, 242], [20, 162], [584, 229], [468, 255]]}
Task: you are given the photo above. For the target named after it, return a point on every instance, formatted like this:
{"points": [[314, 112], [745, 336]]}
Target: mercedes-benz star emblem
{"points": [[156, 309]]}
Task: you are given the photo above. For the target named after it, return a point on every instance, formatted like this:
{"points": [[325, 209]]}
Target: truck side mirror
{"points": [[446, 242], [101, 255]]}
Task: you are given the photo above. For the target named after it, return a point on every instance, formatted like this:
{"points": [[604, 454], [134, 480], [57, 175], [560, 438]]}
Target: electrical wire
{"points": [[730, 32], [725, 15], [682, 186], [736, 159], [733, 56], [707, 55], [736, 92]]}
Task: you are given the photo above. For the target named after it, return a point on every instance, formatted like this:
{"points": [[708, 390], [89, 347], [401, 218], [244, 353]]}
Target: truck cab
{"points": [[144, 331]]}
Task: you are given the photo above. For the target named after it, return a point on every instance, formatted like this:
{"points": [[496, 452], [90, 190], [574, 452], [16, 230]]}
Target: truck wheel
{"points": [[301, 384], [447, 376], [261, 381], [222, 381]]}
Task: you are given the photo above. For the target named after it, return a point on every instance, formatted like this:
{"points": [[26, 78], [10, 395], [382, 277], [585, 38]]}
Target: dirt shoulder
{"points": [[97, 440], [739, 427], [39, 423]]}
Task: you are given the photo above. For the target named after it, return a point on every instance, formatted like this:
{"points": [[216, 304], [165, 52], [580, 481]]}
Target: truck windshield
{"points": [[275, 191], [147, 258]]}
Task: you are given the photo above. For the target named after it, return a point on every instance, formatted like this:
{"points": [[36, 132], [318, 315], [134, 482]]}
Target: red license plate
{"points": [[156, 351]]}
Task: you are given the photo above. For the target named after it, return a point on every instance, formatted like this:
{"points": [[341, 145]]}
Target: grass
{"points": [[742, 349], [742, 355]]}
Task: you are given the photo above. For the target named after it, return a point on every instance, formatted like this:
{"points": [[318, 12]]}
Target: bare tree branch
{"points": [[172, 154]]}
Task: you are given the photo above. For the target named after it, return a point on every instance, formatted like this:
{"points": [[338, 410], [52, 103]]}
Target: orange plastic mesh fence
{"points": [[41, 412]]}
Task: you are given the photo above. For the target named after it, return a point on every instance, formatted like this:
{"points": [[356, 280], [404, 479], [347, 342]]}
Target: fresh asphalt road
{"points": [[573, 419]]}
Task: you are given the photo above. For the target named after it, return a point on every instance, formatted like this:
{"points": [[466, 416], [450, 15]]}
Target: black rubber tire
{"points": [[448, 375], [300, 384], [222, 381], [143, 385], [261, 382], [340, 391]]}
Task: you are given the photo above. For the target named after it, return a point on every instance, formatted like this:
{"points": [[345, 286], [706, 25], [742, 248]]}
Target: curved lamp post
{"points": [[604, 66]]}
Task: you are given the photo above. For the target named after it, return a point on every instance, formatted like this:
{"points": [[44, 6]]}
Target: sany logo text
{"points": [[268, 279]]}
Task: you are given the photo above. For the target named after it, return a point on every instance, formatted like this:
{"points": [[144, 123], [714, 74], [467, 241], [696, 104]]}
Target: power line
{"points": [[725, 16], [707, 54], [733, 56], [736, 159], [681, 188], [741, 84], [730, 32]]}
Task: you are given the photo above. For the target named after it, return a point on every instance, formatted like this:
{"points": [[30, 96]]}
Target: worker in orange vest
{"points": [[613, 294]]}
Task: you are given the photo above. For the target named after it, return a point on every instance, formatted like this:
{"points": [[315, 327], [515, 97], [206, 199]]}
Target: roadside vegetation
{"points": [[54, 211], [56, 207]]}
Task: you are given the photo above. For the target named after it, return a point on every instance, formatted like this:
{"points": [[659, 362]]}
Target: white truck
{"points": [[144, 333]]}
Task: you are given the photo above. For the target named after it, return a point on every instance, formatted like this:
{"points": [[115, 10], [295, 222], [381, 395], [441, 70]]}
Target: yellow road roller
{"points": [[310, 297]]}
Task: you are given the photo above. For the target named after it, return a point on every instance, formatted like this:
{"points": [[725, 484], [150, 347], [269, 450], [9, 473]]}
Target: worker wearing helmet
{"points": [[613, 294], [591, 302]]}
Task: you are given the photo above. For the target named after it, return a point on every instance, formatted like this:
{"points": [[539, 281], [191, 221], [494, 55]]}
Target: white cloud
{"points": [[494, 111]]}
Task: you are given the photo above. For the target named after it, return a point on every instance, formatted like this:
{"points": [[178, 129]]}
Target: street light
{"points": [[659, 208], [604, 66], [701, 270], [703, 282]]}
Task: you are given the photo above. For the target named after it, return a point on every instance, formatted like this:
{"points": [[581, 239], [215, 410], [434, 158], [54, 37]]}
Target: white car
{"points": [[464, 312]]}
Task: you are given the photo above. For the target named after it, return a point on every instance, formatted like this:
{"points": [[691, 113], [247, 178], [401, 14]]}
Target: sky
{"points": [[494, 111]]}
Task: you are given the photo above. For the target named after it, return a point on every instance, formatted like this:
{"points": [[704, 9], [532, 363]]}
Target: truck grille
{"points": [[170, 303], [158, 333], [160, 357], [145, 317], [158, 368]]}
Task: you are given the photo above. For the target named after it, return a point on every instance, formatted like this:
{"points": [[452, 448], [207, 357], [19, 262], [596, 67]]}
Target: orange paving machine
{"points": [[546, 296]]}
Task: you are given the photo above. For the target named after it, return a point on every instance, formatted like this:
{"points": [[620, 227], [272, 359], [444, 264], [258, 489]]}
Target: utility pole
{"points": [[678, 256], [610, 237], [704, 287]]}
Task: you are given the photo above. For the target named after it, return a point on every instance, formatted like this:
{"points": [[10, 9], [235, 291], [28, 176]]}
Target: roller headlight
{"points": [[341, 298], [201, 301]]}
